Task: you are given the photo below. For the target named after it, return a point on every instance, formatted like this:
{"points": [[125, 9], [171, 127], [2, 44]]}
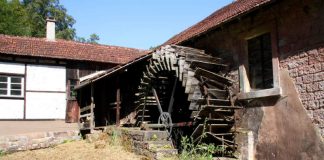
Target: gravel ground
{"points": [[78, 150]]}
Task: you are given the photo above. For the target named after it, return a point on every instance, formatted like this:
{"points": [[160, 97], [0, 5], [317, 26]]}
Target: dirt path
{"points": [[79, 150]]}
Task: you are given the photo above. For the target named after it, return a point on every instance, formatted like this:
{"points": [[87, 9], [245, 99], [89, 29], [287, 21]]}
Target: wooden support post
{"points": [[118, 104], [92, 124], [157, 101], [172, 95]]}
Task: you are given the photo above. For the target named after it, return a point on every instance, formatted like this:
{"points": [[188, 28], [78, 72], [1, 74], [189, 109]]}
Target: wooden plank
{"points": [[156, 66], [83, 109], [170, 108], [193, 105], [272, 92], [217, 93], [181, 66], [92, 122], [202, 72], [211, 83], [118, 104], [157, 101], [203, 101], [204, 58], [213, 107], [211, 66], [190, 77], [85, 115]]}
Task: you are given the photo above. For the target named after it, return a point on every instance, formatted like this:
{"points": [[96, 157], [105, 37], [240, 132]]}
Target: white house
{"points": [[37, 74]]}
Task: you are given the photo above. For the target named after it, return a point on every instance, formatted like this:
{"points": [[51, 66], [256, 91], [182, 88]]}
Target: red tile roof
{"points": [[222, 15], [69, 50]]}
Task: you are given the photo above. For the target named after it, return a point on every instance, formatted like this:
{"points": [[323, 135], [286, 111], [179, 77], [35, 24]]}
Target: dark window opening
{"points": [[260, 62], [72, 93]]}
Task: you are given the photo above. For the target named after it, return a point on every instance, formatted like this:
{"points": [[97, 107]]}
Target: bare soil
{"points": [[78, 150]]}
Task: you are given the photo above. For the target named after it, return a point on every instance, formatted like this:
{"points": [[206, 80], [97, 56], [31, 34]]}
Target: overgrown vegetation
{"points": [[2, 153], [196, 151]]}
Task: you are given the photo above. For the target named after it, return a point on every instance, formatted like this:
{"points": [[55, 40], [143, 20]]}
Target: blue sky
{"points": [[137, 23]]}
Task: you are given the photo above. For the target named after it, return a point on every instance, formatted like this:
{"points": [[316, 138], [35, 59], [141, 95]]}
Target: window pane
{"points": [[15, 92], [3, 79], [16, 79], [3, 85], [3, 92], [260, 62], [16, 86]]}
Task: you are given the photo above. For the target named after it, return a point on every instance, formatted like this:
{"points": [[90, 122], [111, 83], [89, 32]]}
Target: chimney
{"points": [[50, 29]]}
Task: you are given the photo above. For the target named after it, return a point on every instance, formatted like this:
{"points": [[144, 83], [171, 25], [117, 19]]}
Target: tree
{"points": [[39, 10], [94, 38], [13, 18]]}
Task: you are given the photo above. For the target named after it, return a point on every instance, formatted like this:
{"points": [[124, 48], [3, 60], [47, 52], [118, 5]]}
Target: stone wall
{"points": [[299, 27], [307, 71], [14, 143]]}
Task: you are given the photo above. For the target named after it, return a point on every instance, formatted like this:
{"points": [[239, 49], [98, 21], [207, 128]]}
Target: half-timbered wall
{"points": [[12, 108], [45, 92]]}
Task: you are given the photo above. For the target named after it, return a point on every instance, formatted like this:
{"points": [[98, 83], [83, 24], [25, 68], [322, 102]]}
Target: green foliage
{"points": [[13, 18], [198, 152], [28, 18], [94, 38], [39, 10], [2, 153]]}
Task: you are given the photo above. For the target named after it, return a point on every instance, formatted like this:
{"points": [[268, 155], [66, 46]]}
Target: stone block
{"points": [[321, 85], [308, 78], [319, 77], [319, 95], [298, 80], [301, 88], [60, 134], [312, 87]]}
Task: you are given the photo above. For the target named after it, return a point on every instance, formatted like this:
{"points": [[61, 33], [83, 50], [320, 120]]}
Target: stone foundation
{"points": [[30, 141]]}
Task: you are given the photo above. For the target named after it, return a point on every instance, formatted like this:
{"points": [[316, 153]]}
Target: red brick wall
{"points": [[299, 26]]}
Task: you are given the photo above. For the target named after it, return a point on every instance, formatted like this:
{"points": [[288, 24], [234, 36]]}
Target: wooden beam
{"points": [[92, 122], [202, 72], [204, 58], [157, 101], [260, 94], [118, 105], [211, 66]]}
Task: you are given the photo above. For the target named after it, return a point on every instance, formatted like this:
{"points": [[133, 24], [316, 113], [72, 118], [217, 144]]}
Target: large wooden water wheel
{"points": [[184, 87]]}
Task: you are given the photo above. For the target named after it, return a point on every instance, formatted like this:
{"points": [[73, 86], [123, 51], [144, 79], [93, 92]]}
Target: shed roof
{"points": [[69, 50], [220, 16]]}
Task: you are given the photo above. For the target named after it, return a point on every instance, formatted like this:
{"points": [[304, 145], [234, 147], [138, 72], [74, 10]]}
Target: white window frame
{"points": [[9, 89]]}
